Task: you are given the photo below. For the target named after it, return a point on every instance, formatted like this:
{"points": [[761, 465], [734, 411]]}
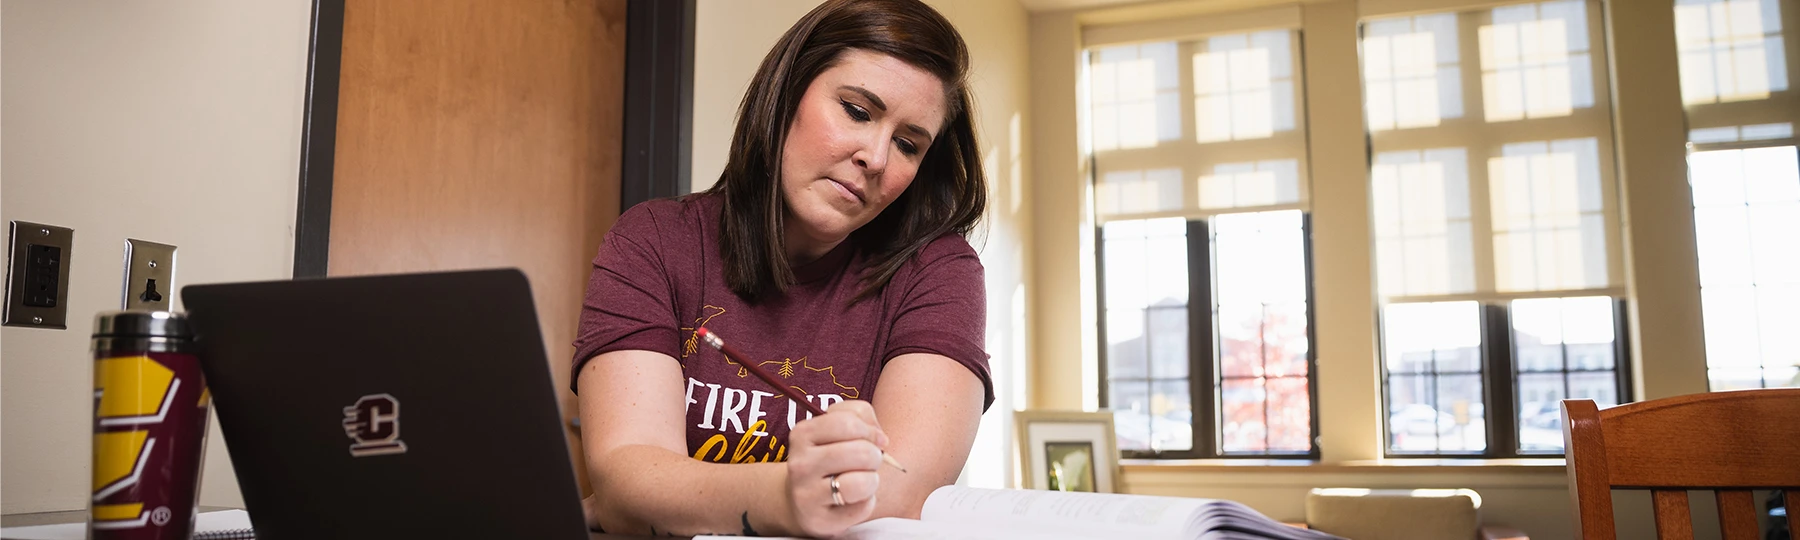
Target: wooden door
{"points": [[480, 134]]}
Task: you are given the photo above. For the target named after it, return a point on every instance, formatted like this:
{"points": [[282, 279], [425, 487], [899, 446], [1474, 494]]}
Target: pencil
{"points": [[732, 353]]}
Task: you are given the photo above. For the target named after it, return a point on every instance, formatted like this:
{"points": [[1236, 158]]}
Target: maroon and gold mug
{"points": [[150, 405]]}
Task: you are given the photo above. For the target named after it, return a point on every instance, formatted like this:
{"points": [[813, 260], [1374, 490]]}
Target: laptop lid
{"points": [[388, 406]]}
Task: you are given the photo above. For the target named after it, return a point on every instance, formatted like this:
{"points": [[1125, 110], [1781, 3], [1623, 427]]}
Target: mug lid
{"points": [[142, 323]]}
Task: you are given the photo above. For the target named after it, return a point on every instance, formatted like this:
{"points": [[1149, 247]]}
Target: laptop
{"points": [[403, 406]]}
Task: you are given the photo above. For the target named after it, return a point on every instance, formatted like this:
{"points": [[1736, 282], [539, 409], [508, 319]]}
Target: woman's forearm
{"points": [[643, 489]]}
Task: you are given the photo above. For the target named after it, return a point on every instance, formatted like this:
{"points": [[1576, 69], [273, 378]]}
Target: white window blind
{"points": [[1492, 173], [1195, 125], [1735, 63]]}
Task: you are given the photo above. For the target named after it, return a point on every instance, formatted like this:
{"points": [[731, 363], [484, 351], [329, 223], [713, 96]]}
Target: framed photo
{"points": [[1067, 450]]}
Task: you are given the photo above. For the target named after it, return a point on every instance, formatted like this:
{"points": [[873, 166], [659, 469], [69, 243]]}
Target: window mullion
{"points": [[1100, 300], [1500, 381], [1481, 221], [1622, 352], [1185, 96], [1202, 387], [1312, 339]]}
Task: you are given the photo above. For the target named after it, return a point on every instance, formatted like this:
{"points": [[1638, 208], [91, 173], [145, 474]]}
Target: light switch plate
{"points": [[149, 275], [44, 301]]}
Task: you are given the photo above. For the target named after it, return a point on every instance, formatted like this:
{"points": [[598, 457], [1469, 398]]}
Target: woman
{"points": [[831, 251]]}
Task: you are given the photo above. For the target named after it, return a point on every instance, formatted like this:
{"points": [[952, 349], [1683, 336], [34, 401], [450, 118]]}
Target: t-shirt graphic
{"points": [[722, 401]]}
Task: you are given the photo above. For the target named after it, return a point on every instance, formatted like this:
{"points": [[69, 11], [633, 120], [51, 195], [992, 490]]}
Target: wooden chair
{"points": [[1729, 442]]}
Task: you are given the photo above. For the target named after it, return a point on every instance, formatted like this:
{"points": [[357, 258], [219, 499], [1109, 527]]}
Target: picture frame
{"points": [[1067, 450]]}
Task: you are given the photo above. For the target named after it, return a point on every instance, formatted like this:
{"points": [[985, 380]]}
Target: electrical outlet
{"points": [[149, 275], [37, 277]]}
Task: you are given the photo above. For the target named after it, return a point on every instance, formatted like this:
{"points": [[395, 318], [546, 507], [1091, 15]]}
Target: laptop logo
{"points": [[374, 423]]}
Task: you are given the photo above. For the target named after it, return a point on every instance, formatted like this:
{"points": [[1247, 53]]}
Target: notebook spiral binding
{"points": [[233, 534]]}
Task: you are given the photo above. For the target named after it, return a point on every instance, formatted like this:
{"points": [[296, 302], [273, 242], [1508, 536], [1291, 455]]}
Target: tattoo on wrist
{"points": [[748, 531]]}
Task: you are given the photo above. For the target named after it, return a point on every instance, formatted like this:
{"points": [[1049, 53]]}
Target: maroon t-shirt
{"points": [[658, 276]]}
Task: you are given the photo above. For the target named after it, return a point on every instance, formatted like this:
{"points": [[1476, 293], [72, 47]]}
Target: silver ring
{"points": [[837, 497]]}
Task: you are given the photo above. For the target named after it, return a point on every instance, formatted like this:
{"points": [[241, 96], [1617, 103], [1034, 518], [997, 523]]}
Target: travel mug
{"points": [[150, 405]]}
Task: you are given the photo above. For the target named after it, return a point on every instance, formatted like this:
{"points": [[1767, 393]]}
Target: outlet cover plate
{"points": [[145, 261], [23, 235]]}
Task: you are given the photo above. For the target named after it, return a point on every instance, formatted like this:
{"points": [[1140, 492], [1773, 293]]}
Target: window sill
{"points": [[1403, 466]]}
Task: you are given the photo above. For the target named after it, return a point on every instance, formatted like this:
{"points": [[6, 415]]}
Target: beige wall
{"points": [[1064, 337], [996, 33], [731, 37], [176, 122], [1661, 265], [1662, 283]]}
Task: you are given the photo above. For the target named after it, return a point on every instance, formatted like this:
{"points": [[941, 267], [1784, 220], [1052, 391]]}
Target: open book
{"points": [[958, 513]]}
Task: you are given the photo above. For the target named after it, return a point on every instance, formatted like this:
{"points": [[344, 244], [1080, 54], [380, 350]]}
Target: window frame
{"points": [[1203, 362]]}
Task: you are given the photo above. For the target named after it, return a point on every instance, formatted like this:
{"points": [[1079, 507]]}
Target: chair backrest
{"points": [[1729, 442]]}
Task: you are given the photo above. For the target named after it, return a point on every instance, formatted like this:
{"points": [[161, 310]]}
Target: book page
{"points": [[907, 529], [1097, 515]]}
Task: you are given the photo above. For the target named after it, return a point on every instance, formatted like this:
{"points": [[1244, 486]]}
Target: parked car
{"points": [[1421, 419], [1139, 430], [1545, 415]]}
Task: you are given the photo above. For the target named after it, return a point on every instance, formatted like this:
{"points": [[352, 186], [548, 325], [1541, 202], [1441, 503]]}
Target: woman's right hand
{"points": [[844, 444]]}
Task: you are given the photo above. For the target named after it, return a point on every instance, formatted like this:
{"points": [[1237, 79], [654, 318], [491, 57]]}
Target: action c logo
{"points": [[374, 423]]}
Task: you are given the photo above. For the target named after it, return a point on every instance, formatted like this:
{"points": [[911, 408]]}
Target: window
{"points": [[1238, 80], [1563, 348], [1242, 277], [1242, 148], [1747, 223], [1261, 332], [1496, 226], [1734, 64], [1533, 64], [1205, 292], [1541, 350], [1134, 91], [1434, 387], [1146, 313], [1411, 72], [1730, 50]]}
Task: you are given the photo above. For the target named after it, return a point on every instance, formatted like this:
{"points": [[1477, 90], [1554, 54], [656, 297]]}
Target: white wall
{"points": [[176, 122], [731, 38]]}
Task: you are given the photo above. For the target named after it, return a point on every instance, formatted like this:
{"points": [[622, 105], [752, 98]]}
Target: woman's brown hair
{"points": [[948, 194]]}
